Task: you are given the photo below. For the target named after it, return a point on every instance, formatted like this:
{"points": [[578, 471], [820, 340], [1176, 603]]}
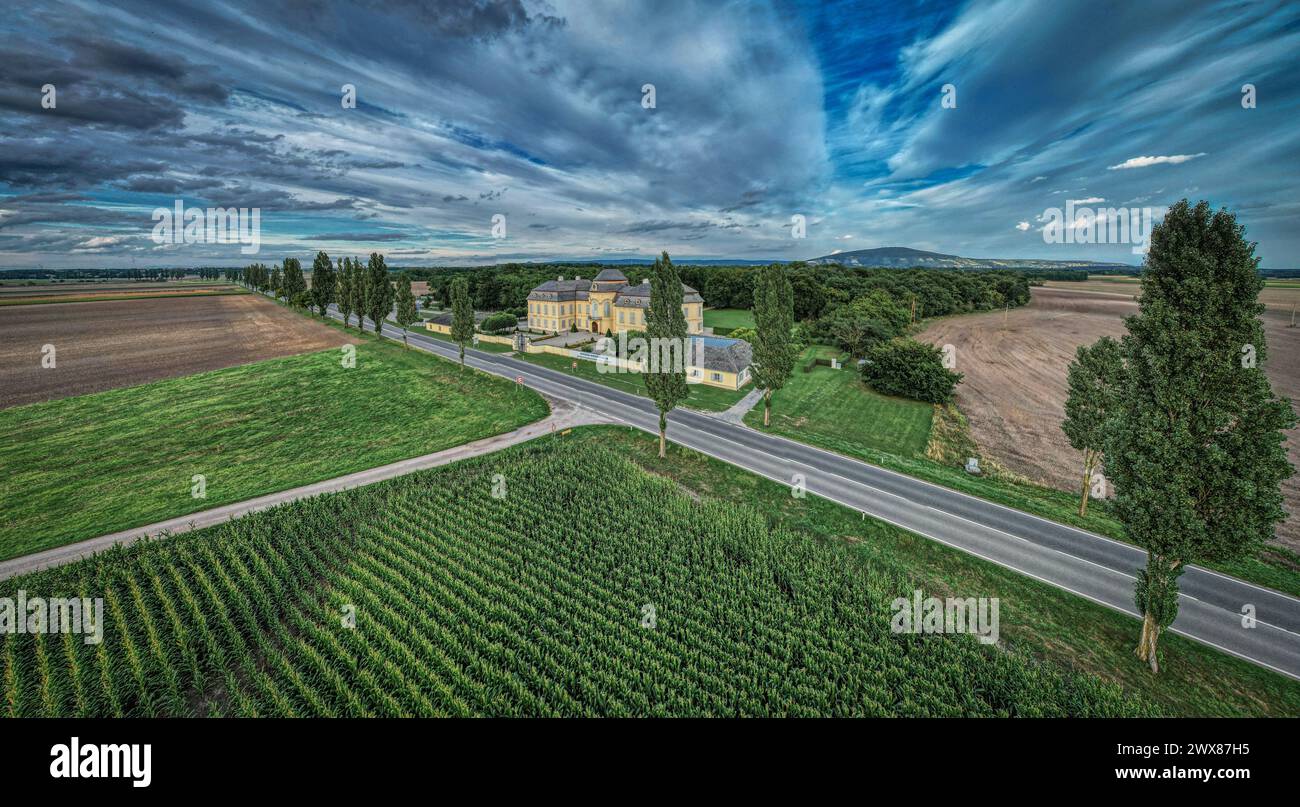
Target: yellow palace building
{"points": [[606, 305]]}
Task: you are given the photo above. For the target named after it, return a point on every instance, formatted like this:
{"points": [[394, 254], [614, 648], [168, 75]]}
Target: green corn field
{"points": [[588, 588]]}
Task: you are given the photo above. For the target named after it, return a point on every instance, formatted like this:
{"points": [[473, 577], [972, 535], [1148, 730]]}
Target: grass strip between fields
{"points": [[85, 466]]}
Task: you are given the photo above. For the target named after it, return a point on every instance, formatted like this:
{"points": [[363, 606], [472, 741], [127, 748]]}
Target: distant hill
{"points": [[903, 257], [649, 260]]}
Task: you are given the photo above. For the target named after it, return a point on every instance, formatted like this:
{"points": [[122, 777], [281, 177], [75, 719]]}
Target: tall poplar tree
{"points": [[323, 282], [359, 292], [1196, 452], [406, 314], [294, 283], [1094, 380], [462, 315], [666, 328], [774, 353], [346, 278], [379, 291]]}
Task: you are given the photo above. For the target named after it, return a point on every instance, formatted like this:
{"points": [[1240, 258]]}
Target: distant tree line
{"points": [[202, 272], [818, 290]]}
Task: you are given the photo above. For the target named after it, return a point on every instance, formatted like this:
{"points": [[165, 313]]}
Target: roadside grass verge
{"points": [[85, 466], [1046, 622], [700, 396], [489, 347], [834, 410]]}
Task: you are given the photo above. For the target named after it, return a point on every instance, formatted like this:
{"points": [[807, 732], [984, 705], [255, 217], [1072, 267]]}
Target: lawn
{"points": [[728, 318], [701, 396], [94, 464], [1036, 618], [835, 410]]}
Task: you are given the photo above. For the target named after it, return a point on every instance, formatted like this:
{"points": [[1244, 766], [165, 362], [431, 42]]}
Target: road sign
{"points": [[519, 379], [575, 364]]}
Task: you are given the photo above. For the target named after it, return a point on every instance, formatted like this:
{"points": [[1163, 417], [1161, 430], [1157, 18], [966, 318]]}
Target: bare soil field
{"points": [[1278, 294], [1014, 388], [69, 292], [103, 345]]}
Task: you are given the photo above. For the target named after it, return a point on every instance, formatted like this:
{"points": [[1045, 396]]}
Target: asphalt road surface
{"points": [[1213, 607]]}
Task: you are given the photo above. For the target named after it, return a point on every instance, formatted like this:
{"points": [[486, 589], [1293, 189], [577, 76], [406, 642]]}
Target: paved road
{"points": [[1089, 565]]}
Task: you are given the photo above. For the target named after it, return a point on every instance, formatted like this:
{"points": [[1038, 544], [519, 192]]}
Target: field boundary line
{"points": [[561, 417]]}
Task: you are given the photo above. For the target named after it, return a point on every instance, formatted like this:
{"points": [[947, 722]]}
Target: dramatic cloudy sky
{"points": [[533, 110]]}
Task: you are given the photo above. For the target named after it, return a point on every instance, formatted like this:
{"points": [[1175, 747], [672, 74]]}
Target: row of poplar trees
{"points": [[1179, 414], [356, 288]]}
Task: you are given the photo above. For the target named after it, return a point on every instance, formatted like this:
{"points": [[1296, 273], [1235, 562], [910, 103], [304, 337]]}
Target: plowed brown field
{"points": [[1014, 388], [103, 345]]}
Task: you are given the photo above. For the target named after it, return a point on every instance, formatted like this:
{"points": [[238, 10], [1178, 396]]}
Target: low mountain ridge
{"points": [[906, 257]]}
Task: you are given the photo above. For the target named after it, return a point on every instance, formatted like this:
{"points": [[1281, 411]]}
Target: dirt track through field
{"points": [[104, 345], [1014, 388]]}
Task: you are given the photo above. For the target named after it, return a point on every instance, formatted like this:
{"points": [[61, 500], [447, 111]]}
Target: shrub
{"points": [[501, 322], [910, 369], [750, 335]]}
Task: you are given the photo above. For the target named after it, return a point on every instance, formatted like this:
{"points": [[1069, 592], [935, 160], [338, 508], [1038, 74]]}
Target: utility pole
{"points": [[913, 321]]}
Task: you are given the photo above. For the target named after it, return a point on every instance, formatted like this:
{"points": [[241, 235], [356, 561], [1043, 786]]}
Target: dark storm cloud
{"points": [[168, 185], [661, 226], [70, 214], [71, 163], [102, 82]]}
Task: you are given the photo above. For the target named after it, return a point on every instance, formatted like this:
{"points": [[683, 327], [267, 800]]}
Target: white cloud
{"points": [[1022, 226], [101, 241], [1091, 200], [1143, 162]]}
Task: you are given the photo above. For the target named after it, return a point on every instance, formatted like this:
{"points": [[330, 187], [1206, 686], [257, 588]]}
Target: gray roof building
{"points": [[444, 318], [638, 296], [561, 290], [722, 354]]}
